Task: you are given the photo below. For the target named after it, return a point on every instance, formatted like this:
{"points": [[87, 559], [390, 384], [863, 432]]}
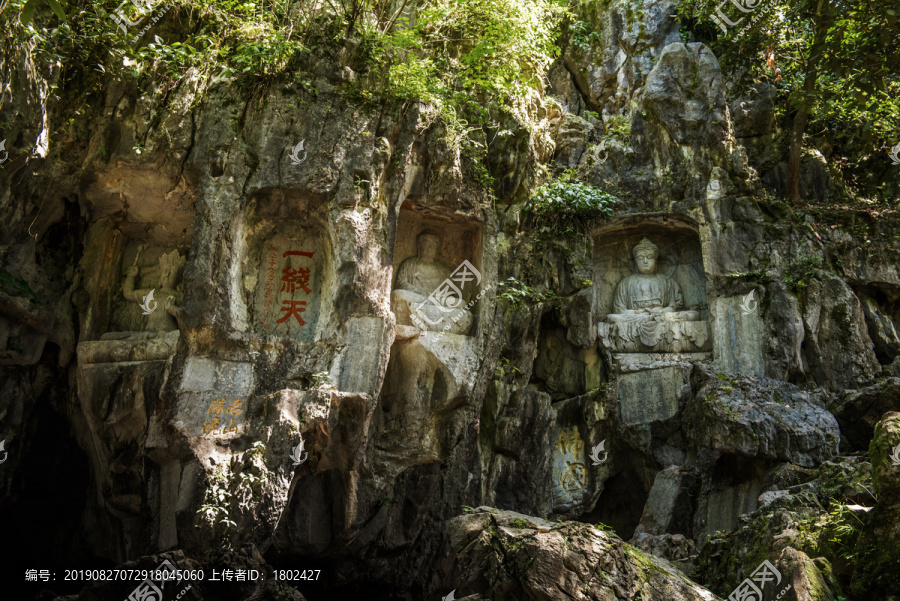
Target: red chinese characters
{"points": [[270, 287], [294, 280]]}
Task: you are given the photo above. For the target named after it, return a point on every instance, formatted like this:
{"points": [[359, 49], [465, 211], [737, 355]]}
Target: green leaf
{"points": [[28, 11], [55, 7]]}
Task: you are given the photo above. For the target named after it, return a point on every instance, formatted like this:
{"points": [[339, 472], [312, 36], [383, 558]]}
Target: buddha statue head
{"points": [[427, 244], [645, 255]]}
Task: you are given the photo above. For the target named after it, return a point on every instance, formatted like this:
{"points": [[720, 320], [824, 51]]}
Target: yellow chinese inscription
{"points": [[570, 443], [573, 477], [216, 408]]}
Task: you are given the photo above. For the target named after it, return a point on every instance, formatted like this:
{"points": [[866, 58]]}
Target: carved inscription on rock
{"points": [[569, 468], [650, 395], [288, 288]]}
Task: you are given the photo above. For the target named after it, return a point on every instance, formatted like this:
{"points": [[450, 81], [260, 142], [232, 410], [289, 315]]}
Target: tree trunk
{"points": [[806, 100]]}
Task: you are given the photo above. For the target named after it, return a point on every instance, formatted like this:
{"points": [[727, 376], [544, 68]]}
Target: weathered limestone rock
{"points": [[881, 328], [879, 541], [754, 114], [652, 394], [838, 347], [793, 527], [803, 576], [606, 75], [692, 112], [581, 424], [669, 508], [858, 411], [758, 417], [294, 324], [504, 555]]}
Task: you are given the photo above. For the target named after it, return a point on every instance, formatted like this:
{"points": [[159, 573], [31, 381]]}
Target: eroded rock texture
{"points": [[278, 318]]}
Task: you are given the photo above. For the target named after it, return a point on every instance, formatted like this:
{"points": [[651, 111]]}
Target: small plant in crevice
{"points": [[583, 36], [800, 274], [618, 128], [516, 293]]}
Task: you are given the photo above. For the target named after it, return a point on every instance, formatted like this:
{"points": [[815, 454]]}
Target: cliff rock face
{"points": [[208, 344]]}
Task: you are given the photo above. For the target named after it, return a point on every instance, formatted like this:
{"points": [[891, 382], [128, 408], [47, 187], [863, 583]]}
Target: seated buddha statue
{"points": [[648, 311], [160, 334], [412, 299], [647, 295]]}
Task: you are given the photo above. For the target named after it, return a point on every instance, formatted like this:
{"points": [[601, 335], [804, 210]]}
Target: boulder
{"points": [[858, 411], [759, 417], [506, 556]]}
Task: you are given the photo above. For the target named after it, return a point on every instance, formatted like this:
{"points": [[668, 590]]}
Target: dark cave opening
{"points": [[621, 503], [45, 518]]}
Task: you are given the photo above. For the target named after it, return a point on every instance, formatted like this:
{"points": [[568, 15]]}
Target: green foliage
{"points": [[233, 489], [841, 533], [516, 293], [504, 365], [833, 61], [217, 501], [11, 285], [618, 128], [464, 52], [385, 500], [604, 528], [583, 36], [799, 274], [569, 202], [31, 5]]}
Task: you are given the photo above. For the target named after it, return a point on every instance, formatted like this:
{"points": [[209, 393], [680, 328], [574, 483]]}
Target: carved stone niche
{"points": [[286, 255], [650, 289], [437, 274], [144, 297]]}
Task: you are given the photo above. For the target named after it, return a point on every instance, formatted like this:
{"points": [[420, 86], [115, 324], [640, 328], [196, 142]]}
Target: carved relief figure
{"points": [[648, 311], [168, 294], [160, 335], [417, 278]]}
